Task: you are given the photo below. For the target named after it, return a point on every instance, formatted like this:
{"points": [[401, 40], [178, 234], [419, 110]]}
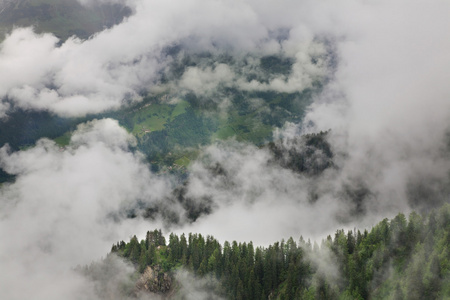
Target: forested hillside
{"points": [[402, 258], [65, 18], [172, 126]]}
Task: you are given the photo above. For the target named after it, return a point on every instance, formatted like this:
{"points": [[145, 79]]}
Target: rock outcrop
{"points": [[154, 280]]}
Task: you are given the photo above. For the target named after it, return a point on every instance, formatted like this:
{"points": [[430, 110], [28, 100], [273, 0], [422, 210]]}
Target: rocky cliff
{"points": [[154, 280]]}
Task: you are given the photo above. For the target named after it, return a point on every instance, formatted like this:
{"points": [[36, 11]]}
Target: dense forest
{"points": [[64, 18], [402, 258]]}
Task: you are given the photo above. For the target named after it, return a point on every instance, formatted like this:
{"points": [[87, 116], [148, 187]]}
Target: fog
{"points": [[384, 66]]}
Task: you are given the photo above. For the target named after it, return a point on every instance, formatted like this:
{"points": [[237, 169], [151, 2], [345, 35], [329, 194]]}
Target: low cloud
{"points": [[67, 207], [302, 67], [110, 279], [388, 105], [204, 82], [70, 80], [99, 2], [114, 67], [256, 199], [192, 288]]}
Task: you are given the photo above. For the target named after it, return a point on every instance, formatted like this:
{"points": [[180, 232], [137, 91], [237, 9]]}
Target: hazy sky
{"points": [[387, 102]]}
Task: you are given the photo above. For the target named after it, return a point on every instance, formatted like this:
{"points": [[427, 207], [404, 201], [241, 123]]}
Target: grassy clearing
{"points": [[179, 109], [151, 118], [245, 128], [224, 132], [184, 161], [64, 139]]}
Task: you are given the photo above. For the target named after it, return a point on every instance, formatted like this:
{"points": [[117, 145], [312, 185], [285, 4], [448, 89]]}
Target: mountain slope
{"points": [[398, 259], [64, 18]]}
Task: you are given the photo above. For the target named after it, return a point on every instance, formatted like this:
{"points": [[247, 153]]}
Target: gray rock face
{"points": [[154, 280]]}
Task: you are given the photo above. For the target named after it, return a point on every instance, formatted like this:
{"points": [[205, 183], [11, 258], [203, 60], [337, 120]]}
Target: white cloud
{"points": [[206, 81], [97, 74], [68, 207]]}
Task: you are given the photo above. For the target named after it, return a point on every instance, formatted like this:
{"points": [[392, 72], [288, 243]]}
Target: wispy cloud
{"points": [[68, 207]]}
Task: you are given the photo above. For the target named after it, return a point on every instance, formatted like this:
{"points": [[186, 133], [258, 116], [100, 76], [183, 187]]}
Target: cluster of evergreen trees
{"points": [[398, 259]]}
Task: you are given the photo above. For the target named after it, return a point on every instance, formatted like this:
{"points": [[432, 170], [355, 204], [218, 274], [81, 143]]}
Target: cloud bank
{"points": [[67, 207], [115, 66]]}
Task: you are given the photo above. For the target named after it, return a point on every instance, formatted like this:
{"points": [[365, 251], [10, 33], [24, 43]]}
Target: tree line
{"points": [[402, 258]]}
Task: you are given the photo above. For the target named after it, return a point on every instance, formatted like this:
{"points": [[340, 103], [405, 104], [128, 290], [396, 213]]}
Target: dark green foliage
{"points": [[64, 18], [190, 129], [309, 154], [23, 128], [193, 207], [276, 65], [283, 106], [170, 134], [5, 177], [186, 130], [200, 103], [398, 259]]}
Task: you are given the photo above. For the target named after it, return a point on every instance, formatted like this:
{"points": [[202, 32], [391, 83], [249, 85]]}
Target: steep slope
{"points": [[64, 18], [397, 259]]}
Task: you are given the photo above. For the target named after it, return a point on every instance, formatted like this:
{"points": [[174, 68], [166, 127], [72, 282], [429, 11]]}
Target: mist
{"points": [[384, 67], [67, 207]]}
